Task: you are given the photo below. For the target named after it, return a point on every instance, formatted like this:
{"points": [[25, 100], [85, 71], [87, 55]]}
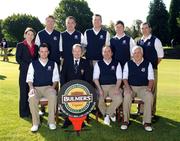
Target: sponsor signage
{"points": [[77, 98]]}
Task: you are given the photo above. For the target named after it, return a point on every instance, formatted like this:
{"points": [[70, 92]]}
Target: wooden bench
{"points": [[119, 110], [44, 102]]}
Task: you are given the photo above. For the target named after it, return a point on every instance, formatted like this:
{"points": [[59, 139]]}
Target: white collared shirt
{"points": [[48, 31], [157, 44], [38, 42], [107, 42], [70, 33], [150, 70], [30, 73], [96, 72], [78, 61]]}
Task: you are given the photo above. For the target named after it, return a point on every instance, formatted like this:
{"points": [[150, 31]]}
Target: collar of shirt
{"points": [[78, 60], [146, 38], [138, 63], [107, 61], [4, 43], [119, 37], [48, 31], [96, 32], [42, 63], [70, 33], [30, 48]]}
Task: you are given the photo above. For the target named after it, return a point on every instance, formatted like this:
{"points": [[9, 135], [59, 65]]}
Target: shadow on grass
{"points": [[164, 129], [2, 77], [11, 62]]}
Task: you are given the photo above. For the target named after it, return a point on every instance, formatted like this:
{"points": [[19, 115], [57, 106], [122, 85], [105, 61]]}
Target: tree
{"points": [[14, 26], [1, 35], [136, 32], [110, 28], [77, 8], [174, 20], [128, 31], [158, 19]]}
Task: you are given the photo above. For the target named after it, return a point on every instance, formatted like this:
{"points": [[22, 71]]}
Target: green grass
{"points": [[167, 128]]}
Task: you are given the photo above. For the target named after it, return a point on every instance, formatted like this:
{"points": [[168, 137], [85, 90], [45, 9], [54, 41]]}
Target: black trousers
{"points": [[24, 110]]}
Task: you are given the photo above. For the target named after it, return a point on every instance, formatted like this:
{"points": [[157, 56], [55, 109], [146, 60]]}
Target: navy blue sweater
{"points": [[43, 74], [149, 50], [107, 72], [53, 42], [138, 75], [68, 41], [95, 44], [121, 49]]}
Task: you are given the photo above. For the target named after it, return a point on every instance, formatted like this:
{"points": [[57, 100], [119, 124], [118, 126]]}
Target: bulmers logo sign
{"points": [[77, 98]]}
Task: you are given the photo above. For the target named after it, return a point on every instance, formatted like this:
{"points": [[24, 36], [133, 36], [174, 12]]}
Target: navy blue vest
{"points": [[53, 42], [95, 44], [43, 74], [138, 75], [121, 49], [149, 50], [68, 42], [107, 72]]}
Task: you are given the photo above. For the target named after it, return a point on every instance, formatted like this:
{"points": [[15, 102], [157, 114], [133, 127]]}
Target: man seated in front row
{"points": [[138, 78], [42, 78], [107, 77], [76, 68]]}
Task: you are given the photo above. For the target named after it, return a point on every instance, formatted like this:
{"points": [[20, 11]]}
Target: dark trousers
{"points": [[24, 110]]}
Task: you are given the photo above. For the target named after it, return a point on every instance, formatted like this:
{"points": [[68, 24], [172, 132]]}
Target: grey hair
{"points": [[76, 45], [137, 47]]}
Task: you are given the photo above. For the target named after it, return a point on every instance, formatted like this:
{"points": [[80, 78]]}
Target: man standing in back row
{"points": [[70, 37], [153, 52], [52, 38], [95, 39], [121, 44]]}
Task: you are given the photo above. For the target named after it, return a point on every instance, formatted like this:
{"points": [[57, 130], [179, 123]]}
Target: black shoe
{"points": [[66, 123], [88, 119], [83, 125], [25, 115], [43, 109], [155, 118]]}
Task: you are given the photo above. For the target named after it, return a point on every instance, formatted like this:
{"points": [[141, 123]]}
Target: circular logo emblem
{"points": [[77, 98]]}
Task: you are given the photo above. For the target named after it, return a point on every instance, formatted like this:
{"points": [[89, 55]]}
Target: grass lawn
{"points": [[167, 128]]}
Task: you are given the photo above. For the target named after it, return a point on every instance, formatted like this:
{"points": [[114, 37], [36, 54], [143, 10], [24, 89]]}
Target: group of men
{"points": [[112, 64]]}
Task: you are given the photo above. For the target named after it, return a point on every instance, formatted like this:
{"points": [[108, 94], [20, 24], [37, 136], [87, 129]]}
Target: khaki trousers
{"points": [[50, 94], [116, 100], [154, 91], [142, 93], [5, 58]]}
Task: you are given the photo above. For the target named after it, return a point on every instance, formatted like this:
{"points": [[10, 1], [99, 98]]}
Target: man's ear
{"points": [[150, 30]]}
